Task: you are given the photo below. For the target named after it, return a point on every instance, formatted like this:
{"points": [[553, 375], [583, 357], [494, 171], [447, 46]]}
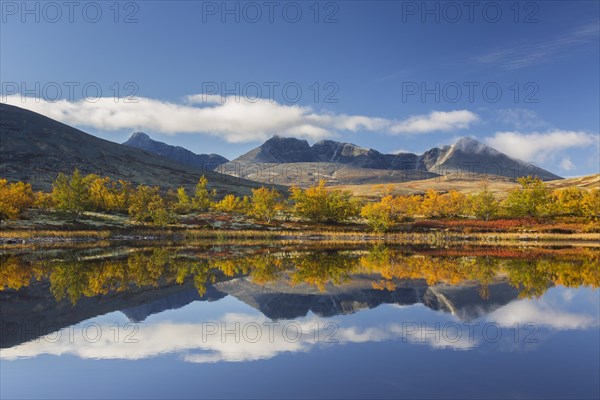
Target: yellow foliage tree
{"points": [[233, 204], [72, 193], [483, 205], [265, 203], [318, 204], [203, 198], [382, 215], [568, 201], [146, 205], [532, 199], [183, 203], [590, 204], [14, 198]]}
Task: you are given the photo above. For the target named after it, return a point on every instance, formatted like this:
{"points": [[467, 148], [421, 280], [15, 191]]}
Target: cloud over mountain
{"points": [[234, 121], [538, 146]]}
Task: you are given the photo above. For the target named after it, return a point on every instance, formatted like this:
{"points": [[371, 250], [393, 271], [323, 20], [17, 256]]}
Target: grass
{"points": [[200, 237], [237, 230], [500, 186], [76, 234]]}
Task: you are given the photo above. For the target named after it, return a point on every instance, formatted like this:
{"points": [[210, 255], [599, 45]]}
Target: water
{"points": [[338, 321]]}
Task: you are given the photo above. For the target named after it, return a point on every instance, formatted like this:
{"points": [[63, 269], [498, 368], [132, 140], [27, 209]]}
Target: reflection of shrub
{"points": [[533, 271]]}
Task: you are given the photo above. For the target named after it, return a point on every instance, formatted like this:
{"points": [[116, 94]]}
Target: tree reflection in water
{"points": [[74, 276]]}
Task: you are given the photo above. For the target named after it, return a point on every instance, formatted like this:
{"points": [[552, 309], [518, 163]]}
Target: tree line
{"points": [[77, 193]]}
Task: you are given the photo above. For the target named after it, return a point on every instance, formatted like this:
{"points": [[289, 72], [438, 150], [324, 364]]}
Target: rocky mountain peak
{"points": [[139, 136], [470, 145]]}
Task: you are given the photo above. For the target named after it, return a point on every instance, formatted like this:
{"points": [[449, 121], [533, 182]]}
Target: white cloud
{"points": [[537, 146], [235, 121], [435, 121], [199, 343], [566, 164], [542, 314]]}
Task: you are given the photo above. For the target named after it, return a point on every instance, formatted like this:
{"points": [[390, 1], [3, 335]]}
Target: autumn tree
{"points": [[147, 205], [381, 215], [484, 205], [233, 204], [590, 204], [72, 193], [43, 200], [98, 192], [407, 206], [203, 198], [183, 203], [105, 194], [265, 203], [568, 201], [453, 204], [119, 195], [317, 204], [531, 199], [430, 206], [14, 198]]}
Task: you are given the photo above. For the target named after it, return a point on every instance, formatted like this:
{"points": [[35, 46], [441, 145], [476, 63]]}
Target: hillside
{"points": [[500, 186], [34, 149], [142, 141]]}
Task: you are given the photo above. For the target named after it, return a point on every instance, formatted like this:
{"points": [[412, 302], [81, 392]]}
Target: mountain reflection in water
{"points": [[42, 295]]}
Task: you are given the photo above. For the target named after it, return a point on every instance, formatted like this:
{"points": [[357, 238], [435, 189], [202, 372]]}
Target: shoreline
{"points": [[504, 238]]}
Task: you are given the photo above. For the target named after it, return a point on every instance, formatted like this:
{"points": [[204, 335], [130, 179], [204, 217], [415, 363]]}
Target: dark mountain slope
{"points": [[35, 148], [142, 141]]}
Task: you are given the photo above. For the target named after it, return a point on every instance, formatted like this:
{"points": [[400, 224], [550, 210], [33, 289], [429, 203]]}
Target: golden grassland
{"points": [[500, 186]]}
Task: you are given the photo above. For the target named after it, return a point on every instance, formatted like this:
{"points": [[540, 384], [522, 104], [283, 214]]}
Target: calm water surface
{"points": [[282, 321]]}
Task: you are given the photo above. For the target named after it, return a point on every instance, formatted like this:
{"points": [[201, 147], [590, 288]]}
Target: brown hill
{"points": [[35, 148]]}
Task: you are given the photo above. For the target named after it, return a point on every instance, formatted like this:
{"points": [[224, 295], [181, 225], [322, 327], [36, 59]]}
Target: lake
{"points": [[289, 320]]}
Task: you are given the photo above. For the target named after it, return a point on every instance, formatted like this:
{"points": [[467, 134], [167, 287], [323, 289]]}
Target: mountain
{"points": [[472, 157], [293, 161], [280, 150], [142, 141], [290, 150], [36, 306], [35, 148], [279, 300]]}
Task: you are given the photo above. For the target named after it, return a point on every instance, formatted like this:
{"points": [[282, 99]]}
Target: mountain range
{"points": [[142, 141], [346, 163], [35, 305], [35, 148]]}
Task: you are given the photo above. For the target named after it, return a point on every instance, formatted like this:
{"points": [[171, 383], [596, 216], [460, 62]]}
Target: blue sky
{"points": [[379, 74]]}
